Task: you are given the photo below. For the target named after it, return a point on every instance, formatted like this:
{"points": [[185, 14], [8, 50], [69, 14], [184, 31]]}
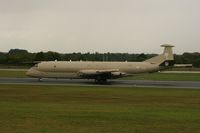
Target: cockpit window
{"points": [[36, 65]]}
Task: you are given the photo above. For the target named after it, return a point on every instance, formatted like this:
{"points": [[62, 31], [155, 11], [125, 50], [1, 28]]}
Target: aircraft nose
{"points": [[29, 72], [32, 72]]}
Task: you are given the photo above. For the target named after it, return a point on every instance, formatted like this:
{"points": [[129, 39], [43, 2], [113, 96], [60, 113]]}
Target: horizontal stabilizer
{"points": [[183, 65]]}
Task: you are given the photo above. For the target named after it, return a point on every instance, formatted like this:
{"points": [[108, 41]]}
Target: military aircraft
{"points": [[101, 71]]}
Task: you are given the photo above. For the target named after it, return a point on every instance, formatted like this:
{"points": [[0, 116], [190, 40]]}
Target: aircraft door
{"points": [[55, 66]]}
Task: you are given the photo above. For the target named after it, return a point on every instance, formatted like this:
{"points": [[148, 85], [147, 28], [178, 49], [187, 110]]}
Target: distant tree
{"points": [[39, 56], [51, 56], [21, 57], [178, 59], [98, 57], [17, 52], [141, 57], [17, 56], [196, 62], [3, 58]]}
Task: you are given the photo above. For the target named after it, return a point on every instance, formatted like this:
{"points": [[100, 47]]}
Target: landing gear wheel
{"points": [[101, 80], [40, 79]]}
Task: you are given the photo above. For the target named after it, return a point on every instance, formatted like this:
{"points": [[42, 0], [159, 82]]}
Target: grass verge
{"points": [[50, 109], [12, 74]]}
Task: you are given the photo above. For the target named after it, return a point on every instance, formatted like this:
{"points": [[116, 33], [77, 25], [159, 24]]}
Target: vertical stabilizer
{"points": [[166, 58], [168, 53]]}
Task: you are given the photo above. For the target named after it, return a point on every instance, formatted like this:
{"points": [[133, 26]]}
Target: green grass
{"points": [[53, 109], [12, 74], [166, 76]]}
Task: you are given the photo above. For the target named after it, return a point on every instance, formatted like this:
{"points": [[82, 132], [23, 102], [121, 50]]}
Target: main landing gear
{"points": [[101, 80]]}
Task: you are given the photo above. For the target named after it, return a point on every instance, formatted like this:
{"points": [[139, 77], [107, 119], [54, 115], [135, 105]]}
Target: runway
{"points": [[112, 83]]}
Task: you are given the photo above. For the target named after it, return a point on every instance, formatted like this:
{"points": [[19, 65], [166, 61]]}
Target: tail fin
{"points": [[164, 59]]}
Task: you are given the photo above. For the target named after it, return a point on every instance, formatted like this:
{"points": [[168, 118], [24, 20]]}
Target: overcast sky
{"points": [[132, 26]]}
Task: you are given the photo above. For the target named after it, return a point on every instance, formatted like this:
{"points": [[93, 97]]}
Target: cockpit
{"points": [[33, 71], [35, 66]]}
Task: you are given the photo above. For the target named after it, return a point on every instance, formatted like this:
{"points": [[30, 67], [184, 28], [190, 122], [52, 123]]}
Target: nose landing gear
{"points": [[39, 79]]}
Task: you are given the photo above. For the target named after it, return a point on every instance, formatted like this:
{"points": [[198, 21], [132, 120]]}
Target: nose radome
{"points": [[32, 72], [28, 73]]}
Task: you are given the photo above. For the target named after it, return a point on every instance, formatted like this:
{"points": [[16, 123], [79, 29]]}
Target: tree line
{"points": [[23, 57]]}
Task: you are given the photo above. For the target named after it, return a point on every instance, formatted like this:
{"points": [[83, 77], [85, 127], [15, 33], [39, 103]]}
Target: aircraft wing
{"points": [[111, 73]]}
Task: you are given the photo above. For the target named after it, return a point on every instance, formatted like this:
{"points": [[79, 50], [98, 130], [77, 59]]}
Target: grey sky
{"points": [[100, 25]]}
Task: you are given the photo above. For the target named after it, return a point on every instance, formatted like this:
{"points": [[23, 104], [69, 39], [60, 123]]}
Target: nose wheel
{"points": [[39, 79]]}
